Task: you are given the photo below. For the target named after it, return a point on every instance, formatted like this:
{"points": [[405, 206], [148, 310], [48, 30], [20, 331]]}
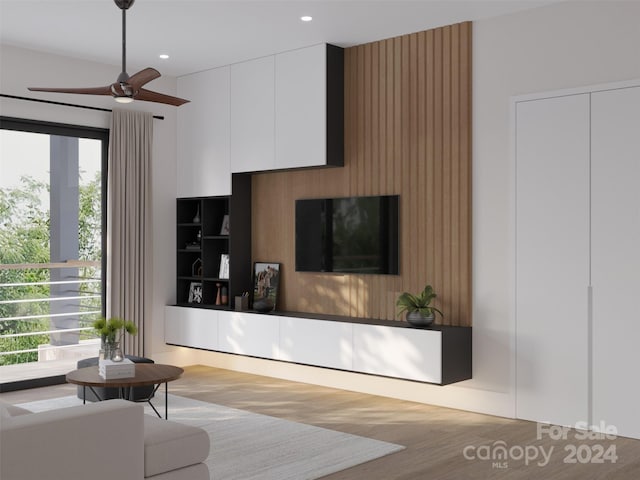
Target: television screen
{"points": [[347, 235]]}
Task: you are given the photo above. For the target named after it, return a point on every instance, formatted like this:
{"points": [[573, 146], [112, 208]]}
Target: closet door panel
{"points": [[552, 259], [615, 158]]}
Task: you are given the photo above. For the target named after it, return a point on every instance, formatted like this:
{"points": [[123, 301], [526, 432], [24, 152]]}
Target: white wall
{"points": [[20, 68], [559, 46]]}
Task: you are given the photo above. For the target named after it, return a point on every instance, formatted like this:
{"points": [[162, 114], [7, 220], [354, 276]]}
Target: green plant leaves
{"points": [[408, 302]]}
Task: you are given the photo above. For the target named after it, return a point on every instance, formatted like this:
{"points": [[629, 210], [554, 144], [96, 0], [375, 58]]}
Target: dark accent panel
{"points": [[240, 245], [335, 106], [456, 354]]}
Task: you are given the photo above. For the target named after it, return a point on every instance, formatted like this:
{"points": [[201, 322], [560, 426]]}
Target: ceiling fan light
{"points": [[124, 99]]}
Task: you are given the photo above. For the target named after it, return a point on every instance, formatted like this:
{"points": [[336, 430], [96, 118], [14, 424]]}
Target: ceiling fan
{"points": [[126, 88]]}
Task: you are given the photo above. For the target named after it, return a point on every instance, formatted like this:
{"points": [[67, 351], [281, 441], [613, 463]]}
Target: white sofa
{"points": [[107, 440]]}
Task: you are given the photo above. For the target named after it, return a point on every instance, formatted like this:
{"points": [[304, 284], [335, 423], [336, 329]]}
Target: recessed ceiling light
{"points": [[306, 18], [163, 56]]}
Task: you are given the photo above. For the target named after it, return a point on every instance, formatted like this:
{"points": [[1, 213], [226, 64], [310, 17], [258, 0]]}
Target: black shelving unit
{"points": [[200, 245]]}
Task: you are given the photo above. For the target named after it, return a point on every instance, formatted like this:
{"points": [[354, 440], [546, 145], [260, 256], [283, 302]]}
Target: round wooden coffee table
{"points": [[146, 374]]}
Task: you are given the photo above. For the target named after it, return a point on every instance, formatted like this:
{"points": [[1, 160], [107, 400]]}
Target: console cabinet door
{"points": [[248, 334], [615, 180], [407, 353], [203, 167], [316, 342], [252, 115], [191, 327], [301, 107], [552, 259]]}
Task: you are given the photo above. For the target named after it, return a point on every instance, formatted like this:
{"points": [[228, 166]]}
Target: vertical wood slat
{"points": [[407, 132]]}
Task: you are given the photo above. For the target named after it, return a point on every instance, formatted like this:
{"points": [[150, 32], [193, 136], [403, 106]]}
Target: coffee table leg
{"points": [[166, 401]]}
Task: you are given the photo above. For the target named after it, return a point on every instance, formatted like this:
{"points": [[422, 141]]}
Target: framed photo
{"points": [[266, 280], [224, 266], [195, 292], [224, 229]]}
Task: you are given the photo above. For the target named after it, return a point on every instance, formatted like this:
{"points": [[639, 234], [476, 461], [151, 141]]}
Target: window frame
{"points": [[79, 131]]}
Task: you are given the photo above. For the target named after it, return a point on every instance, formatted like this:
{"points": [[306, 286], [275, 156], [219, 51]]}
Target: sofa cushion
{"points": [[170, 445]]}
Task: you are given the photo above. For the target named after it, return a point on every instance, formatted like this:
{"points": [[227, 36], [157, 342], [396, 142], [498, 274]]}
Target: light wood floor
{"points": [[435, 438]]}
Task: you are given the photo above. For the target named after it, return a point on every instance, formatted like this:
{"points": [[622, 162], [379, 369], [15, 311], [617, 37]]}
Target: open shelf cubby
{"points": [[208, 228]]}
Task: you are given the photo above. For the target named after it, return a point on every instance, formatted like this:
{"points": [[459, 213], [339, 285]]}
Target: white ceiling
{"points": [[202, 34]]}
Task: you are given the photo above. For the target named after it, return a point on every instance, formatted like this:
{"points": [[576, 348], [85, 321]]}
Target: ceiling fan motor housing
{"points": [[124, 4]]}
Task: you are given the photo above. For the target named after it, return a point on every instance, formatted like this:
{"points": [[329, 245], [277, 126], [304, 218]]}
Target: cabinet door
{"points": [[248, 334], [252, 115], [552, 259], [316, 342], [615, 230], [398, 352], [203, 167], [191, 327], [301, 107]]}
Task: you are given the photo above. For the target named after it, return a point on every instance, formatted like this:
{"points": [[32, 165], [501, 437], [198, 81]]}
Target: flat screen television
{"points": [[348, 235]]}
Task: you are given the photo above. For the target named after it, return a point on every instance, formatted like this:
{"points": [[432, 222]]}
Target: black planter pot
{"points": [[417, 319]]}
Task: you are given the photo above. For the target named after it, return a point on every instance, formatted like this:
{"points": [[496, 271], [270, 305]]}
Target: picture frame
{"points": [[224, 266], [195, 292], [266, 283], [224, 229]]}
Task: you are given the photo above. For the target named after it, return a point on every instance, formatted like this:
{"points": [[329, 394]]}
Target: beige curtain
{"points": [[129, 221]]}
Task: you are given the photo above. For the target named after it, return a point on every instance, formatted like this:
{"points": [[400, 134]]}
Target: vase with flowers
{"points": [[111, 331]]}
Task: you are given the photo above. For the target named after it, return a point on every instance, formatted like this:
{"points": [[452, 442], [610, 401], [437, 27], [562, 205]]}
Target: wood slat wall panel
{"points": [[407, 132]]}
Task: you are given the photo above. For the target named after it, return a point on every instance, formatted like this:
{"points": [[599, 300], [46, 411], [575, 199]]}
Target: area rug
{"points": [[248, 446]]}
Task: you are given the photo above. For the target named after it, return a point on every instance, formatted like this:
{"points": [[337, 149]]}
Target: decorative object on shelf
{"points": [[224, 266], [224, 230], [196, 219], [224, 296], [111, 332], [419, 311], [199, 236], [266, 279], [192, 246], [218, 294], [196, 268], [242, 302], [195, 292]]}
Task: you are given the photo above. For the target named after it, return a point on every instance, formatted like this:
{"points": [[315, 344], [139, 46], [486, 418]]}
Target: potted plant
{"points": [[111, 332], [419, 311]]}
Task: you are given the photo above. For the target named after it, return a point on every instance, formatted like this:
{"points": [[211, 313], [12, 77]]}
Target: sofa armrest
{"points": [[100, 441]]}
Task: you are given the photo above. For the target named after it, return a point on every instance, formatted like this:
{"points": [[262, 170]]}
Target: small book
{"points": [[108, 369]]}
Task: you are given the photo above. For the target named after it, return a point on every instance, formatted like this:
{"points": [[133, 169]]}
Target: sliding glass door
{"points": [[52, 188]]}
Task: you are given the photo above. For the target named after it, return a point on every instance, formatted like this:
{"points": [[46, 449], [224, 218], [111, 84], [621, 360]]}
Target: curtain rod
{"points": [[15, 97]]}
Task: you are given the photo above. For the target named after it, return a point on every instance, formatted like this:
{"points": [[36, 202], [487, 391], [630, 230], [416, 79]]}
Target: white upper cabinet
{"points": [[203, 167], [252, 115], [301, 107], [287, 110]]}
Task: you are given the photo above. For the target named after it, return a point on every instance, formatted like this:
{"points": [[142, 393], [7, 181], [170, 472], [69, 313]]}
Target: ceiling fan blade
{"points": [[137, 80], [150, 96], [88, 91]]}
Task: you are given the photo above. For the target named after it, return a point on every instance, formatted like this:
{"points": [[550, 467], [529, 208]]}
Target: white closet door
{"points": [[616, 258], [552, 259]]}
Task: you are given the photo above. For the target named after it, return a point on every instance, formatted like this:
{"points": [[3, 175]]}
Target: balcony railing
{"points": [[50, 319]]}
